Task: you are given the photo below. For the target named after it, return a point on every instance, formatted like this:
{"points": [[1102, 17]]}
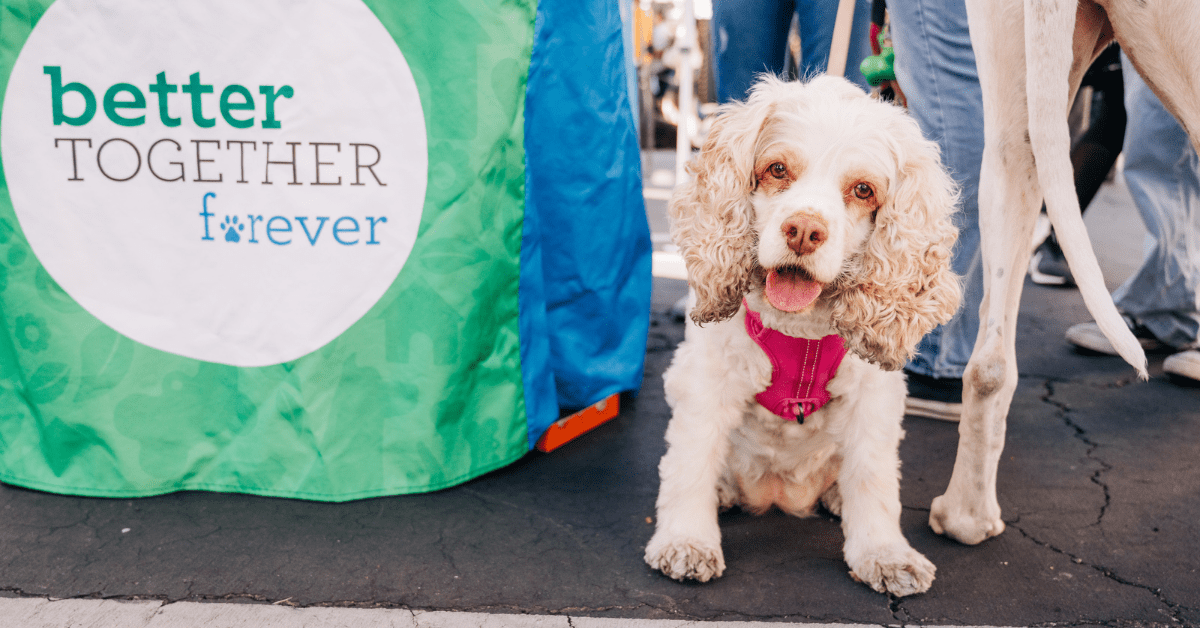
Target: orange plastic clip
{"points": [[565, 429]]}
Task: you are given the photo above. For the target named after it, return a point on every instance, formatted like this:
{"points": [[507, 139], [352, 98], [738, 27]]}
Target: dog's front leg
{"points": [[687, 539], [968, 511], [869, 483], [1009, 201], [1008, 206]]}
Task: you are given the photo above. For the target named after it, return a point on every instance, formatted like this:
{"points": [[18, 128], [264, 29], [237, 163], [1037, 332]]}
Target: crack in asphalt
{"points": [[896, 606], [1064, 412], [1176, 610]]}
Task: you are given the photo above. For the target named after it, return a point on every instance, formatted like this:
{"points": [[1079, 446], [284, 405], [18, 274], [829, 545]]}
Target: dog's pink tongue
{"points": [[789, 292]]}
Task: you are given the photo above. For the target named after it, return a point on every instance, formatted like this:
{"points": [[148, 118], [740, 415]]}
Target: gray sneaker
{"points": [[1088, 336]]}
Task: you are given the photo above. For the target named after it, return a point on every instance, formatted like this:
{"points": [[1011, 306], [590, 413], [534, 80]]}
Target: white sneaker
{"points": [[1088, 336], [1184, 364]]}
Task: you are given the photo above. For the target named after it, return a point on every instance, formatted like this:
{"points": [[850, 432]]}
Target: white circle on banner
{"points": [[232, 181]]}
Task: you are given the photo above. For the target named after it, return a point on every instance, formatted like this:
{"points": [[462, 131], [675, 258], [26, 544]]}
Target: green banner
{"points": [[269, 247]]}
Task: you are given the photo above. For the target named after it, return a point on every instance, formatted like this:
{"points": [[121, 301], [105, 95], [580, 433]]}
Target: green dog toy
{"points": [[881, 67]]}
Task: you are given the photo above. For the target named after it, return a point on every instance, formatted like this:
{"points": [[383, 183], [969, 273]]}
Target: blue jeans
{"points": [[935, 66], [749, 37], [1163, 175]]}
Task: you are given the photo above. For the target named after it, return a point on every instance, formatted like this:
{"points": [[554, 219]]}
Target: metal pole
{"points": [[686, 33]]}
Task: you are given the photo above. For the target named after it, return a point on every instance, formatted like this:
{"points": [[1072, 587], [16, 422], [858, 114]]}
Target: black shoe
{"points": [[1048, 267], [934, 397]]}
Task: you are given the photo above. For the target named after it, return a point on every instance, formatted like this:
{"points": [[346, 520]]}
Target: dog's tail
{"points": [[1048, 43]]}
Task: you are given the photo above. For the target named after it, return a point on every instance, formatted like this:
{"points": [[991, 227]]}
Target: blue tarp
{"points": [[584, 205]]}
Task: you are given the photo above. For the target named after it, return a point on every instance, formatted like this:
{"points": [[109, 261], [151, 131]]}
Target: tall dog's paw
{"points": [[685, 558], [899, 570], [969, 525]]}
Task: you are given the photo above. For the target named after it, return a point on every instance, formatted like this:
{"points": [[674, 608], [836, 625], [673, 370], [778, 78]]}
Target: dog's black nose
{"points": [[804, 233]]}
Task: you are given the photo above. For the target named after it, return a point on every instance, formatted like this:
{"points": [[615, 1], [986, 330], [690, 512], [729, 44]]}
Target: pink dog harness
{"points": [[800, 369]]}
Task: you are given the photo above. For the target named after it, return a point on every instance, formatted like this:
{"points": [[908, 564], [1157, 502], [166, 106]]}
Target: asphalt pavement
{"points": [[1099, 486]]}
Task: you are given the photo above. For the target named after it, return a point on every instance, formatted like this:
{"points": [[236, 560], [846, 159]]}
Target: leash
{"points": [[840, 47]]}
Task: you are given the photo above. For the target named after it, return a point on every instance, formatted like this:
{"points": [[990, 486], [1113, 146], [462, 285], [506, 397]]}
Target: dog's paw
{"points": [[967, 521], [899, 570], [685, 558]]}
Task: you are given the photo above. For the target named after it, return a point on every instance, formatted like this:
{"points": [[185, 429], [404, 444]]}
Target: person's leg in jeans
{"points": [[1163, 175], [816, 20], [749, 37], [935, 66], [1164, 179]]}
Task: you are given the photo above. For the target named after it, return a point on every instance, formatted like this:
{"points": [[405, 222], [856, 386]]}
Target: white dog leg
{"points": [[687, 539], [1009, 200], [869, 485], [969, 511]]}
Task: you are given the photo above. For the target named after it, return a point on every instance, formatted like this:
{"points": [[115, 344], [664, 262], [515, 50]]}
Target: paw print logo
{"points": [[231, 227]]}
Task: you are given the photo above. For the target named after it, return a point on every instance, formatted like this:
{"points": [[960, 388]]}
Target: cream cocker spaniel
{"points": [[817, 223]]}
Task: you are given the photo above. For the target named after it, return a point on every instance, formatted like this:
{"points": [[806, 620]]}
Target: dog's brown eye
{"points": [[778, 170], [863, 191]]}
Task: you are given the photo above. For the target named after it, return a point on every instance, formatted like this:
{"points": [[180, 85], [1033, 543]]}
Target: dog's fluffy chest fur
{"points": [[778, 463], [772, 462]]}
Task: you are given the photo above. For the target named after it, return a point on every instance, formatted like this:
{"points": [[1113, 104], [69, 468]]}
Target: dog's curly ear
{"points": [[904, 285], [711, 217]]}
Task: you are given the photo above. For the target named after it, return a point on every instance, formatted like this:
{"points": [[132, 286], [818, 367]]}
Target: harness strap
{"points": [[801, 369]]}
